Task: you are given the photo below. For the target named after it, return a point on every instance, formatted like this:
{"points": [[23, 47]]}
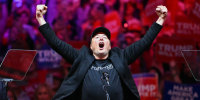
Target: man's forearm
{"points": [[133, 51], [41, 21], [61, 47], [160, 21]]}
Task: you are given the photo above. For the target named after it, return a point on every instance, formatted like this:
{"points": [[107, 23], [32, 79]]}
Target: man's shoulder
{"points": [[116, 50], [84, 49]]}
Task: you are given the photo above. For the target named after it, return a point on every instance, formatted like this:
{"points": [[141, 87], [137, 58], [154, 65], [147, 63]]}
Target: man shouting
{"points": [[99, 72]]}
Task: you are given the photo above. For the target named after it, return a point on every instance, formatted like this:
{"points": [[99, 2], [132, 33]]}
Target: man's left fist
{"points": [[161, 11]]}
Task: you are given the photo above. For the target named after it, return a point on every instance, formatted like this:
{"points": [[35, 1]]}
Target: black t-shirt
{"points": [[93, 82]]}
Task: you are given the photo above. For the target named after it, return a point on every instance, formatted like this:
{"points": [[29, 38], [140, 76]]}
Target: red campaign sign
{"points": [[195, 12], [151, 8], [186, 28], [147, 85], [169, 48], [113, 23]]}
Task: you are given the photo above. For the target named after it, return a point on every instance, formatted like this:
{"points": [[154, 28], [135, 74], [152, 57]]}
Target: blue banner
{"points": [[48, 58], [175, 91]]}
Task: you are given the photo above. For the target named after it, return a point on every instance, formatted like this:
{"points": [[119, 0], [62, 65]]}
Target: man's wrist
{"points": [[41, 21], [160, 20]]}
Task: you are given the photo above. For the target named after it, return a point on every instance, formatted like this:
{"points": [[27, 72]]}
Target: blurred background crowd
{"points": [[73, 22]]}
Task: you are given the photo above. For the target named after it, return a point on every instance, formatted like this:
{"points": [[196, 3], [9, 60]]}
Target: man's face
{"points": [[100, 45]]}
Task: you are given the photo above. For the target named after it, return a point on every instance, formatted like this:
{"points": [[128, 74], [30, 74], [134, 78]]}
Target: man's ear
{"points": [[91, 46], [110, 46]]}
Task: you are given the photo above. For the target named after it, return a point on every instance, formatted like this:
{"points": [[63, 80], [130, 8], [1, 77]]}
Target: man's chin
{"points": [[102, 53]]}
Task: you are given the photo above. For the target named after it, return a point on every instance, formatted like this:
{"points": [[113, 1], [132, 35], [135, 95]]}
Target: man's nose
{"points": [[101, 38]]}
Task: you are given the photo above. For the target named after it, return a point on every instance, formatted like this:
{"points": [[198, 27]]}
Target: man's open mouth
{"points": [[101, 44]]}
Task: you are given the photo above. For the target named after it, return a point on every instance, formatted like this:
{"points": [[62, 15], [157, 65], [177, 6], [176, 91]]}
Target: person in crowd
{"points": [[43, 92], [11, 94]]}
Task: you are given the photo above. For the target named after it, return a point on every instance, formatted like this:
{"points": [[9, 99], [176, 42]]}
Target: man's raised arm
{"points": [[136, 49], [64, 49]]}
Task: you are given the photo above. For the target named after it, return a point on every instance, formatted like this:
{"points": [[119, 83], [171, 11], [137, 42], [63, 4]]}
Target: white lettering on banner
{"points": [[171, 50], [48, 56], [147, 90], [183, 88], [182, 93], [196, 10], [187, 28]]}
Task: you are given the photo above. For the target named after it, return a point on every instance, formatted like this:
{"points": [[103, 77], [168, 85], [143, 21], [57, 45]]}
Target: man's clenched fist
{"points": [[40, 11], [161, 11]]}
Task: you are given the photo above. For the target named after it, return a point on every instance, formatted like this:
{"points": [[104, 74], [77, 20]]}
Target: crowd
{"points": [[74, 20]]}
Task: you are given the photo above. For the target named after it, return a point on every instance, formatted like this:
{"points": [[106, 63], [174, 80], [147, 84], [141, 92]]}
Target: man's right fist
{"points": [[40, 11]]}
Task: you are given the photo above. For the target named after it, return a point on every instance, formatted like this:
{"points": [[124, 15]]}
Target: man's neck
{"points": [[100, 57]]}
